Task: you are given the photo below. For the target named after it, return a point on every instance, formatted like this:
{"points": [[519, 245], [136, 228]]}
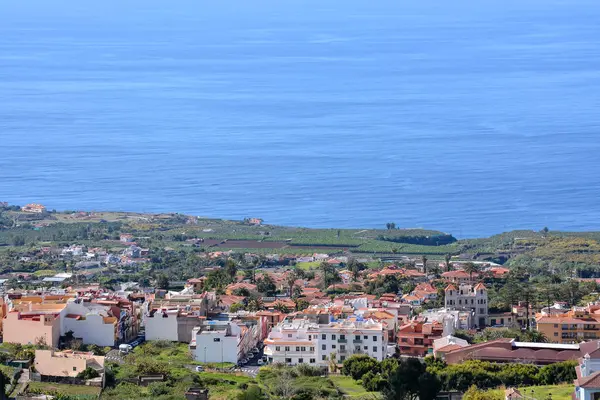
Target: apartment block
{"points": [[574, 326], [313, 343], [416, 338]]}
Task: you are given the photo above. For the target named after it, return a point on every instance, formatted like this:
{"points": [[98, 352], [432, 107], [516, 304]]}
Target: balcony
{"points": [[357, 341], [342, 341]]}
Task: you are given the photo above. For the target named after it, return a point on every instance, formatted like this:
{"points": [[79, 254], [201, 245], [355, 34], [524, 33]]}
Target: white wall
{"points": [[219, 348], [160, 328], [92, 330]]}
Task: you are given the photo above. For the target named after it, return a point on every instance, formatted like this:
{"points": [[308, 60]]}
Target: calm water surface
{"points": [[472, 118]]}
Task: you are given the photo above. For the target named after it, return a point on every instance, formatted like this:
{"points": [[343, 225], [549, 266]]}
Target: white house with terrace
{"points": [[305, 342]]}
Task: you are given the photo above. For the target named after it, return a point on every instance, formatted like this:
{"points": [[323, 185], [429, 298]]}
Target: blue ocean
{"points": [[472, 117]]}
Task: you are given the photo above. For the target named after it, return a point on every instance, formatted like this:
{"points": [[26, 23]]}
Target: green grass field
{"points": [[559, 392], [351, 388], [73, 390]]}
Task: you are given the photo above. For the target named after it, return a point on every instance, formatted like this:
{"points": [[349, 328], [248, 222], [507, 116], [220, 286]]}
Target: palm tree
{"points": [[535, 336], [281, 307], [290, 279], [332, 362], [424, 260], [471, 268], [255, 304], [447, 259]]}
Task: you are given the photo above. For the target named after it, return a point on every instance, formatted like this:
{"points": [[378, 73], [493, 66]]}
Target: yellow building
{"points": [[574, 326]]}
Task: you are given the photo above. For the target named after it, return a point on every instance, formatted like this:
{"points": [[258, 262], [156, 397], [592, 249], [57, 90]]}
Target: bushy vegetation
{"points": [[379, 376]]}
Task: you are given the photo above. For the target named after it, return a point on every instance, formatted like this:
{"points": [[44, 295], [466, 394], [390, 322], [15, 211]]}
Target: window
{"points": [[374, 338], [302, 348], [300, 360], [357, 337], [323, 347], [289, 335], [481, 311], [332, 337], [324, 357], [403, 340], [342, 358], [357, 349], [459, 301], [287, 348], [288, 360], [375, 349], [342, 337], [333, 346], [311, 349], [297, 348], [324, 336], [312, 361], [342, 347], [556, 325], [366, 347], [309, 337], [74, 368], [365, 337], [555, 333], [277, 348]]}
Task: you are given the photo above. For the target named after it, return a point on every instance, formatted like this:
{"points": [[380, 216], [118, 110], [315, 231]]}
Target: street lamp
{"points": [[204, 354]]}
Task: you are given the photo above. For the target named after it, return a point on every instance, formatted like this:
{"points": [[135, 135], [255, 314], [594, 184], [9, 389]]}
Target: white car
{"points": [[260, 362], [199, 368]]}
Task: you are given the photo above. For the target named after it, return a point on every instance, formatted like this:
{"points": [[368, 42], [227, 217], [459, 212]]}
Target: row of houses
{"points": [[102, 320]]}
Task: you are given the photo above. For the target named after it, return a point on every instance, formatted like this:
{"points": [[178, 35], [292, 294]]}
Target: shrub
{"points": [[358, 365]]}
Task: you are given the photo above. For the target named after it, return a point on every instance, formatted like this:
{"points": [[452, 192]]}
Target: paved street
{"points": [[114, 356]]}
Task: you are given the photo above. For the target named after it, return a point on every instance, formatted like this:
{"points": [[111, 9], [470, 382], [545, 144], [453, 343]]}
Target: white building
{"points": [[469, 298], [301, 341], [450, 319], [162, 325], [222, 341], [587, 384], [91, 323]]}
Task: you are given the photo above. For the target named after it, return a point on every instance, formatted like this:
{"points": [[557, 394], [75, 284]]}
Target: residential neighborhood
{"points": [[119, 311]]}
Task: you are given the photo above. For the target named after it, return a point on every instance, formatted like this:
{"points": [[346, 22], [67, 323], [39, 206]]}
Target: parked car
{"points": [[125, 348], [255, 350], [199, 368], [260, 362]]}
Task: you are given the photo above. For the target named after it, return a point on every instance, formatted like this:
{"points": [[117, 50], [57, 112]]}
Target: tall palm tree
{"points": [[447, 259], [471, 268], [424, 260], [290, 280]]}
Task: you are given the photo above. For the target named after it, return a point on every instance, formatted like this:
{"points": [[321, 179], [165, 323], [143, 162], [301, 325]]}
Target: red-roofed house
{"points": [[230, 289], [458, 276]]}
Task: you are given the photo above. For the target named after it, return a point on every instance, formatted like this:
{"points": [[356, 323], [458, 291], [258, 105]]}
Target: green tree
{"points": [[253, 392], [447, 259], [266, 285], [301, 304], [556, 373], [281, 307], [162, 282], [235, 307], [411, 381], [358, 365], [231, 268]]}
